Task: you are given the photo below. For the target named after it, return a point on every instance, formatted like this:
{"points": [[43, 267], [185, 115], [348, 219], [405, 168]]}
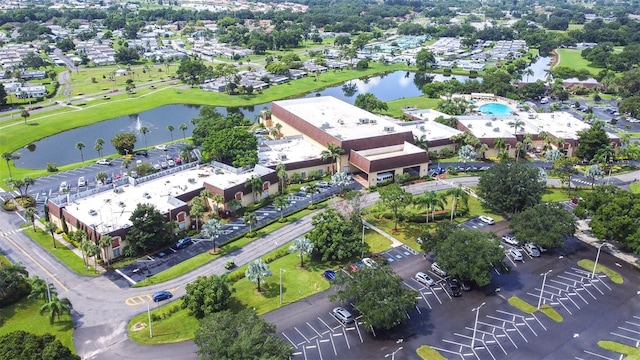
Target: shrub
{"points": [[52, 167], [8, 205]]}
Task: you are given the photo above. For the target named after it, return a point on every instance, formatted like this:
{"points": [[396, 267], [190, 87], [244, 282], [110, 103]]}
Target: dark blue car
{"points": [[183, 243], [162, 295], [329, 274]]}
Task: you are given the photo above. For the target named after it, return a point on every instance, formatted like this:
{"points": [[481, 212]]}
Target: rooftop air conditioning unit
{"points": [[388, 128], [423, 128], [282, 156], [338, 136], [364, 121], [340, 121], [373, 121]]}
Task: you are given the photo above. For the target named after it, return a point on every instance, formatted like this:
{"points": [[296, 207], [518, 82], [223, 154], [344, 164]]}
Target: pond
{"points": [[539, 68], [61, 148]]}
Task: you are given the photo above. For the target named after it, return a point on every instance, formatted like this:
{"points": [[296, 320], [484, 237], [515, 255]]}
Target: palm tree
{"points": [[278, 128], [257, 270], [183, 128], [30, 214], [303, 246], [25, 114], [528, 72], [51, 228], [206, 195], [235, 204], [516, 124], [281, 203], [171, 128], [104, 243], [432, 200], [98, 146], [255, 183], [217, 200], [56, 306], [144, 131], [311, 189], [80, 146], [519, 147], [250, 218], [332, 153], [281, 172], [93, 250], [456, 193], [85, 248], [197, 209], [211, 229], [9, 156], [39, 288]]}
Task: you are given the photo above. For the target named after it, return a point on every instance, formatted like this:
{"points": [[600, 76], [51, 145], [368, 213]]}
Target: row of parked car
{"points": [[516, 251]]}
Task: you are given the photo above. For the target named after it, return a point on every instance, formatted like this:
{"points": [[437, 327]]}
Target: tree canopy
{"points": [[124, 143], [370, 102], [591, 141], [335, 237], [149, 229], [467, 254], [378, 294], [13, 284], [245, 335], [425, 59], [544, 224], [614, 213], [511, 186], [235, 146], [207, 295], [24, 345]]}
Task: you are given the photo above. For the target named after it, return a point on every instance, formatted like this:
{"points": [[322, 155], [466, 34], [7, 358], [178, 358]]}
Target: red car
{"points": [[177, 160]]}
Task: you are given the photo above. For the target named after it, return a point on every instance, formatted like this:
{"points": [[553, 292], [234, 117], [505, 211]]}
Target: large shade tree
{"points": [[23, 345], [335, 237], [378, 294], [226, 335], [149, 229], [511, 186], [394, 197], [207, 295], [544, 224]]}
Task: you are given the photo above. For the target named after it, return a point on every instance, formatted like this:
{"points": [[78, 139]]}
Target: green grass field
{"points": [[421, 102], [62, 253], [571, 58], [635, 187], [25, 316]]}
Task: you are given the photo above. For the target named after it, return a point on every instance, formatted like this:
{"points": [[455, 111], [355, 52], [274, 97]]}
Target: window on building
{"points": [[238, 195]]}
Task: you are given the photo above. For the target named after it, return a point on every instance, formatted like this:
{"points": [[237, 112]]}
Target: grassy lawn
{"points": [[527, 308], [635, 187], [61, 252], [297, 283], [377, 243], [421, 102], [633, 353], [572, 58], [427, 353], [611, 274], [25, 316], [204, 258]]}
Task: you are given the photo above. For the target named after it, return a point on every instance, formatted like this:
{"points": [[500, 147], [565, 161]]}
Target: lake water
{"points": [[60, 148], [539, 67]]}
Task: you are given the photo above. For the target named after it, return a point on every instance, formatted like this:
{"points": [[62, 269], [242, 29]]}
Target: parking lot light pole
{"points": [[281, 270], [393, 354], [544, 280], [475, 325], [149, 314], [593, 273]]}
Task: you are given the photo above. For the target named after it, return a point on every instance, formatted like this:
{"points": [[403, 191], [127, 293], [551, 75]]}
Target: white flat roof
{"points": [[487, 126], [427, 126], [340, 119], [290, 149], [390, 151], [113, 209]]}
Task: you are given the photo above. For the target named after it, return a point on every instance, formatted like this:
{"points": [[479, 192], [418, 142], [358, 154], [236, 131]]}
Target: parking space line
{"points": [[425, 300], [325, 324], [344, 331], [629, 330], [587, 290], [359, 333], [301, 334], [492, 335], [580, 296], [561, 283], [448, 351], [598, 355], [312, 328], [292, 343], [602, 282], [333, 344], [592, 283], [570, 299], [319, 350], [632, 323], [504, 331]]}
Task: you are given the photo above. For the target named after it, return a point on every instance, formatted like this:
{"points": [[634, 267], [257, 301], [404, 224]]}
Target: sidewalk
{"points": [[584, 234], [70, 246]]}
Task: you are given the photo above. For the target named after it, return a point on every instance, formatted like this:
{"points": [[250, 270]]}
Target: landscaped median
{"points": [[530, 309], [612, 275], [171, 323], [204, 258], [61, 252]]}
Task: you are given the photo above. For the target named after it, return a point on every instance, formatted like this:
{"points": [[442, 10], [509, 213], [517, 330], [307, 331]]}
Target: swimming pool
{"points": [[495, 109]]}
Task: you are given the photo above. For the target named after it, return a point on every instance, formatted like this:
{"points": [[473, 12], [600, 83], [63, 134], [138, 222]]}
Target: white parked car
{"points": [[64, 187], [510, 239], [515, 254], [486, 219], [103, 162], [424, 279], [369, 262], [82, 181], [161, 147]]}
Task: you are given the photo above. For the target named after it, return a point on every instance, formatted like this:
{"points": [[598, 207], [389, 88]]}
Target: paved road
{"points": [[101, 312]]}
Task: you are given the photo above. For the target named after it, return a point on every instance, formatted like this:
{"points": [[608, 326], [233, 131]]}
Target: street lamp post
{"points": [[544, 280], [475, 325], [593, 273], [362, 252], [393, 354], [149, 315], [281, 270]]}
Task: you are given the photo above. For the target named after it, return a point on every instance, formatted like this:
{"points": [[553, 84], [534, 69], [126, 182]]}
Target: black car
{"points": [[453, 287], [183, 243]]}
